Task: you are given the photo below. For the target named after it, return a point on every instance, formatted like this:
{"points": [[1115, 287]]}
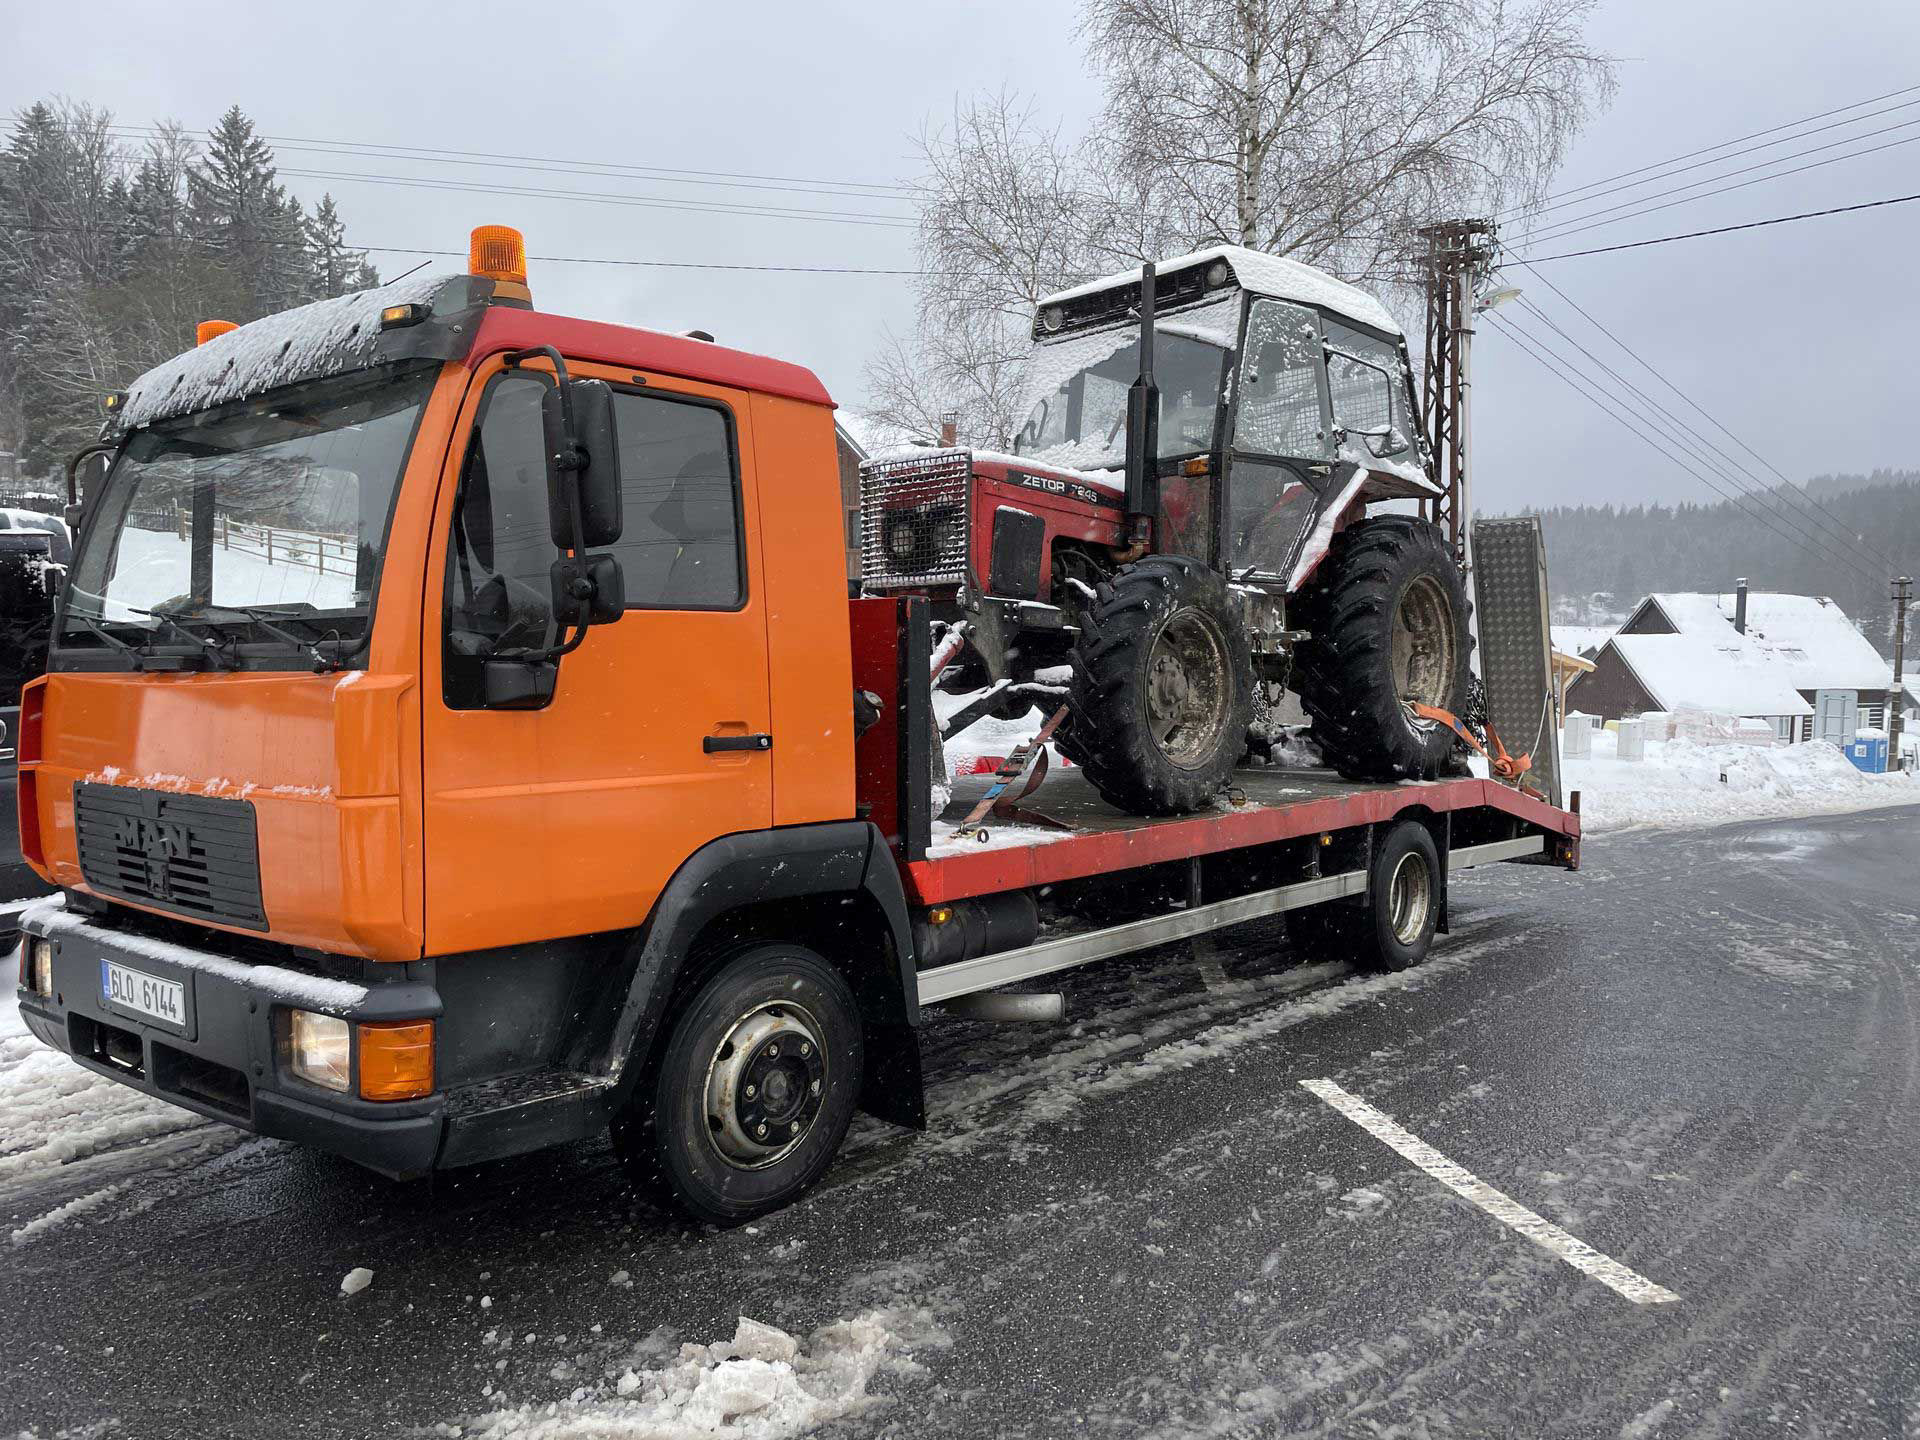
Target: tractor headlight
{"points": [[1053, 318]]}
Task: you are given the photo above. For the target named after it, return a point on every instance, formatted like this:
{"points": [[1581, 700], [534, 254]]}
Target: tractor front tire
{"points": [[1162, 688], [1387, 613]]}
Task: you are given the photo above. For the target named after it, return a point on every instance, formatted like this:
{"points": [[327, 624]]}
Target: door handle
{"points": [[714, 744]]}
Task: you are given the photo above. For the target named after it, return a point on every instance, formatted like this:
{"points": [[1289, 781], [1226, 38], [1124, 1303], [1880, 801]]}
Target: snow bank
{"points": [[1686, 782], [762, 1384], [155, 566]]}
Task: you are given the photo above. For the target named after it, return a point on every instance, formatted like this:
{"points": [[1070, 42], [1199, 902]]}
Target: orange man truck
{"points": [[458, 739]]}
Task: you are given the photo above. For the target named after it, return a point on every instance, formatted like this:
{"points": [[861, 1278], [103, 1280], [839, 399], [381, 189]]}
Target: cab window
{"points": [[680, 547], [1280, 410]]}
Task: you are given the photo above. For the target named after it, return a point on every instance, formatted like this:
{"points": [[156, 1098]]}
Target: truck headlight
{"points": [[36, 965], [320, 1049]]}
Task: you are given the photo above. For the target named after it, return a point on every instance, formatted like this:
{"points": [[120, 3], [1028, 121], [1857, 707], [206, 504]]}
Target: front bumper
{"points": [[225, 1060]]}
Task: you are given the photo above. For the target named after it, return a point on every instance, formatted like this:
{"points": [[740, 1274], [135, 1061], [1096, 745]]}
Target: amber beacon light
{"points": [[498, 252], [211, 329]]}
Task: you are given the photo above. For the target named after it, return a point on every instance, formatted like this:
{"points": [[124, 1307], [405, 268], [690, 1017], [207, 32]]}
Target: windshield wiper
{"points": [[213, 647], [133, 653], [321, 661]]}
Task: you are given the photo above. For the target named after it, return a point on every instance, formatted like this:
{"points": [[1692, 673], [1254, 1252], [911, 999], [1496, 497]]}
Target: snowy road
{"points": [[1700, 1056]]}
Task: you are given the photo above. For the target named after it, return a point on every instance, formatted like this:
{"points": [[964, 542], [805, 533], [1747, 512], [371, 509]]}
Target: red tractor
{"points": [[1184, 530]]}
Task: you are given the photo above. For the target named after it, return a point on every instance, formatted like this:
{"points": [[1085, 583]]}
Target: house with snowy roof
{"points": [[1755, 656]]}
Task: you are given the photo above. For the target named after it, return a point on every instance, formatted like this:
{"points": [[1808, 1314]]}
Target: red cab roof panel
{"points": [[626, 345]]}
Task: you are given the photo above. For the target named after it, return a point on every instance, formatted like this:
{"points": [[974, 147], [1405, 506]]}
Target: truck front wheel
{"points": [[757, 1084]]}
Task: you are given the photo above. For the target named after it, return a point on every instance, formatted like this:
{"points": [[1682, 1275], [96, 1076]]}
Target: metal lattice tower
{"points": [[1458, 258]]}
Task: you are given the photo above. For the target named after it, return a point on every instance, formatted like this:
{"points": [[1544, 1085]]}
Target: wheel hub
{"points": [[1422, 648], [1187, 700], [765, 1084], [1409, 898]]}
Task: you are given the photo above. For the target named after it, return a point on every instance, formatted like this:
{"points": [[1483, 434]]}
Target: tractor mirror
{"points": [[583, 456]]}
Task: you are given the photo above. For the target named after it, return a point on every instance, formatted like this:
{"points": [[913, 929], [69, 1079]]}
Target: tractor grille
{"points": [[189, 854], [913, 520]]}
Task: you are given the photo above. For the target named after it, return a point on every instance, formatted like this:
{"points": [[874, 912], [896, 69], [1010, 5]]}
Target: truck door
{"points": [[570, 819]]}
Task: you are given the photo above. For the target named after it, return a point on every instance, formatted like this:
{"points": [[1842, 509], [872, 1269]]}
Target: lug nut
{"points": [[751, 1090], [805, 1049], [760, 1130], [815, 1087], [772, 1051], [794, 1128]]}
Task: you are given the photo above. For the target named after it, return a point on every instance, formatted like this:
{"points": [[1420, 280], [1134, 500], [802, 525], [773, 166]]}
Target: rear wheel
{"points": [[756, 1087], [1393, 927], [1388, 616], [1162, 688]]}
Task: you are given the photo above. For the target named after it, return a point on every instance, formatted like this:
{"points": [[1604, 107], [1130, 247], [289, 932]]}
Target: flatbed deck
{"points": [[1279, 804]]}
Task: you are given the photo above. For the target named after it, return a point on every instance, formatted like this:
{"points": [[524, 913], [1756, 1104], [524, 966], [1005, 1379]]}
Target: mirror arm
{"points": [[570, 463]]}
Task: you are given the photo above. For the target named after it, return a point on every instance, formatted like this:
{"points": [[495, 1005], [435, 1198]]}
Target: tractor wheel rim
{"points": [[1409, 898], [1187, 681], [765, 1084], [1422, 648]]}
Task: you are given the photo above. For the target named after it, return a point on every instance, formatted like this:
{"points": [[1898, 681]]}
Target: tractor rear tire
{"points": [[1162, 688], [1387, 613]]}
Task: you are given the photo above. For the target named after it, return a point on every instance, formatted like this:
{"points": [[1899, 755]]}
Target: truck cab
{"points": [[274, 772]]}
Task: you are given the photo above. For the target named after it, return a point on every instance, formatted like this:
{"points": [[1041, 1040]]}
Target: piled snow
{"points": [[762, 1384], [328, 337], [356, 1280], [1264, 275], [1680, 783]]}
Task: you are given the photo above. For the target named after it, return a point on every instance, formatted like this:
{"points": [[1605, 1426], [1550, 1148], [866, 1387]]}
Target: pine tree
{"points": [[238, 213]]}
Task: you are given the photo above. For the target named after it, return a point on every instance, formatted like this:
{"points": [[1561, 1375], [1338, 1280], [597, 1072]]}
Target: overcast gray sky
{"points": [[1799, 338]]}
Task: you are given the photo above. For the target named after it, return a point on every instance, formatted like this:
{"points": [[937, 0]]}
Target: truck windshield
{"points": [[1079, 398], [240, 520]]}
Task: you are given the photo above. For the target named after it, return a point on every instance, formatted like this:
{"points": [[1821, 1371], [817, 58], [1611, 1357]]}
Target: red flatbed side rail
{"points": [[1075, 857]]}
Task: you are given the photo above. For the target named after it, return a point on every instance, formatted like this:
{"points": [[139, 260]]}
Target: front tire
{"points": [[1388, 615], [1162, 688], [757, 1085]]}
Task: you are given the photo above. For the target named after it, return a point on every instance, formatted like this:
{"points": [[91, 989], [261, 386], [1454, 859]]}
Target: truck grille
{"points": [[189, 854], [914, 521]]}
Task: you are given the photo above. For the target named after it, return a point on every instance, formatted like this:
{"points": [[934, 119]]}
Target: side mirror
{"points": [[519, 684], [582, 457], [595, 579]]}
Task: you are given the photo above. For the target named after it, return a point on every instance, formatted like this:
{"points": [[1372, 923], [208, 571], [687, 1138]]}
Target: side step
{"points": [[497, 1117]]}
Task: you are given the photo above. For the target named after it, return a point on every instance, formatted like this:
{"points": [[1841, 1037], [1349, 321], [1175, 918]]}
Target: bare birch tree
{"points": [[1320, 129]]}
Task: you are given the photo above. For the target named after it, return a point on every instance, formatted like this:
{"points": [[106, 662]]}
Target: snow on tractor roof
{"points": [[328, 337], [1273, 275]]}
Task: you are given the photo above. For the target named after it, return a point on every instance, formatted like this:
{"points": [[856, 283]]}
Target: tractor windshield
{"points": [[1078, 395], [231, 523]]}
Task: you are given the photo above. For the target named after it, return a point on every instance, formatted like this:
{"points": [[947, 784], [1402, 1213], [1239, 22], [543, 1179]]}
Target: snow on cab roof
{"points": [[1806, 639], [1273, 275], [327, 337], [1696, 672]]}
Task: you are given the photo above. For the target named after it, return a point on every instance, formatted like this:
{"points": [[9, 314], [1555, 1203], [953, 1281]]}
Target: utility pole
{"points": [[1458, 259], [1902, 597]]}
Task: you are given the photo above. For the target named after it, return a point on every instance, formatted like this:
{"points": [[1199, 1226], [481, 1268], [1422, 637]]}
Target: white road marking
{"points": [[1504, 1208]]}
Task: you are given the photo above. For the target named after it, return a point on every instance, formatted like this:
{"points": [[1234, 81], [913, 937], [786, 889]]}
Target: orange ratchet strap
{"points": [[1504, 766]]}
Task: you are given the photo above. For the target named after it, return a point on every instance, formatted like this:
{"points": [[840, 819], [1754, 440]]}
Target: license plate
{"points": [[163, 1000]]}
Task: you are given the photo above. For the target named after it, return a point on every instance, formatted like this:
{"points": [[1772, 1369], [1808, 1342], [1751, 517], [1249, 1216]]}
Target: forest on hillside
{"points": [[1603, 559], [117, 239]]}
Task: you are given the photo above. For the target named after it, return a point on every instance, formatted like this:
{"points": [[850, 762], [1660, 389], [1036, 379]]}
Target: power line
{"points": [[594, 169], [1574, 224], [644, 202], [1718, 230], [1814, 507], [1705, 451], [644, 171], [1708, 149], [1592, 391]]}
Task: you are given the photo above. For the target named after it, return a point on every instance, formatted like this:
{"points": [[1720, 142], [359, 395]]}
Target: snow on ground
{"points": [[1686, 782], [761, 1385], [155, 566]]}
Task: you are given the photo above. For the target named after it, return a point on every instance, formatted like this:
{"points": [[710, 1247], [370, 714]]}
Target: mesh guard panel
{"points": [[914, 521]]}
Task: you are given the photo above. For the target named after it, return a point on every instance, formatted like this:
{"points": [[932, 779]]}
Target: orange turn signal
{"points": [[1199, 465], [396, 1060], [498, 252], [208, 329]]}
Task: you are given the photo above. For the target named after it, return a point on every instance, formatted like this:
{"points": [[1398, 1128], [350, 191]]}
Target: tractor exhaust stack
{"points": [[1143, 425]]}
